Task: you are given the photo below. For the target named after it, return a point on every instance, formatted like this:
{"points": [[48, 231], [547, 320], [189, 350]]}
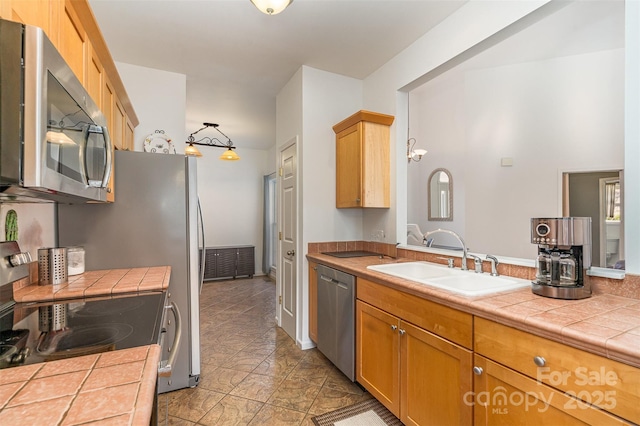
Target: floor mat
{"points": [[366, 413]]}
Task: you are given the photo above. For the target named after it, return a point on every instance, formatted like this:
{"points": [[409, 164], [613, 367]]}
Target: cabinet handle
{"points": [[539, 361], [401, 331], [478, 371], [357, 200], [394, 327]]}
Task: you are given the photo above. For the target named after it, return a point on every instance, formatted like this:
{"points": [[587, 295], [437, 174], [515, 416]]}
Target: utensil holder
{"points": [[52, 266]]}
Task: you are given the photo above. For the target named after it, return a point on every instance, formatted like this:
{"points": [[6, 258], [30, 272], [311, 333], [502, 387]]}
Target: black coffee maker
{"points": [[564, 256]]}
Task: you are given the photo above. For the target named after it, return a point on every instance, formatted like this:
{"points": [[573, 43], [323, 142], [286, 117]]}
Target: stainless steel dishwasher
{"points": [[336, 318]]}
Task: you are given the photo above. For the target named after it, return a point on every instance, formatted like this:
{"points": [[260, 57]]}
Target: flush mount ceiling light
{"points": [[414, 154], [191, 150], [271, 7]]}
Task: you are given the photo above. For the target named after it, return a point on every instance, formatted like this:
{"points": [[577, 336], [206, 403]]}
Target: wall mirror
{"points": [[538, 101], [440, 195]]}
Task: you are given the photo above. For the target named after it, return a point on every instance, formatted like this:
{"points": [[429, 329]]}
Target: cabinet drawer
{"points": [[505, 397], [605, 383], [443, 321]]}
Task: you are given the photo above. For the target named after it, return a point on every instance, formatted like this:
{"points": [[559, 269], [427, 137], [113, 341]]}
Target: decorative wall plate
{"points": [[159, 143]]}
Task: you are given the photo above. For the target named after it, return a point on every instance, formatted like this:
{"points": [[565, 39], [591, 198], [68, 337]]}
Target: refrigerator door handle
{"points": [[203, 258], [165, 366]]}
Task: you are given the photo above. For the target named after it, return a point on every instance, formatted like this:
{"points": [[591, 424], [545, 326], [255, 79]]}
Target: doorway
{"points": [[598, 195], [287, 269]]}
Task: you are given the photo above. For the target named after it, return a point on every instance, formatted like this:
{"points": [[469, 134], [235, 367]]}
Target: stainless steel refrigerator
{"points": [[155, 220]]}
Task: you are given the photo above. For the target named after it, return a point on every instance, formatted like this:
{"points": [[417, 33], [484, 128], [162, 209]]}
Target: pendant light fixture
{"points": [[271, 7], [191, 150]]}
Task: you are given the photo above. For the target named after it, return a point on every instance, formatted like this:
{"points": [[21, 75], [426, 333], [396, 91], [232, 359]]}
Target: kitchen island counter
{"points": [[116, 387], [105, 282]]}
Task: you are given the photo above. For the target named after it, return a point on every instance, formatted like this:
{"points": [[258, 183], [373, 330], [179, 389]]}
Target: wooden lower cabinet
{"points": [[505, 397], [418, 376], [313, 302]]}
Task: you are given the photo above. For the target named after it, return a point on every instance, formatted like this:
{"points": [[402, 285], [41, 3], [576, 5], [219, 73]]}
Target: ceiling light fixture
{"points": [[191, 150], [271, 7], [414, 154]]}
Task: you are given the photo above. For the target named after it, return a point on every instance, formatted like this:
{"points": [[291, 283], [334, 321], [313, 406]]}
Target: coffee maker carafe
{"points": [[564, 256]]}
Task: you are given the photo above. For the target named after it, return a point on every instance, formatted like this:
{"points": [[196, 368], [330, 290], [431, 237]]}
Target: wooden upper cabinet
{"points": [[95, 77], [362, 160], [73, 42], [31, 12], [118, 125]]}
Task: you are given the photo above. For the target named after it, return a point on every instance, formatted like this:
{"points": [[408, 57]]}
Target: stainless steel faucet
{"points": [[429, 241], [477, 262], [494, 263]]}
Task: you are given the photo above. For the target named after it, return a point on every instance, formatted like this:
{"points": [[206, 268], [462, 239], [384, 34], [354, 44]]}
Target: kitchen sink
{"points": [[467, 283], [413, 270]]}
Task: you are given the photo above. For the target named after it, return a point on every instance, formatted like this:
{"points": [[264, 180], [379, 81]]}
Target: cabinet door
{"points": [[246, 261], [313, 302], [435, 377], [377, 355], [95, 77], [73, 41], [349, 167], [128, 135], [226, 262], [117, 128], [30, 12], [504, 397]]}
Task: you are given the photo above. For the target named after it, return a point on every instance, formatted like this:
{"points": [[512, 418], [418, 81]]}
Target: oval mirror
{"points": [[440, 195]]}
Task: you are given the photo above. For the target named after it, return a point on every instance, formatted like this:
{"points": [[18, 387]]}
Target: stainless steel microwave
{"points": [[54, 143]]}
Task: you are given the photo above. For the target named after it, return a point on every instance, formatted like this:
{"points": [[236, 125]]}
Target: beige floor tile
{"points": [[175, 421], [311, 373], [194, 403], [232, 410], [222, 379], [271, 415], [295, 395], [257, 387]]}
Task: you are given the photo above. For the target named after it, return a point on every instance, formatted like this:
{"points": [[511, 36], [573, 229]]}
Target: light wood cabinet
{"points": [[73, 41], [559, 369], [33, 12], [419, 376], [119, 120], [504, 397], [129, 132], [313, 302], [362, 160], [95, 77]]}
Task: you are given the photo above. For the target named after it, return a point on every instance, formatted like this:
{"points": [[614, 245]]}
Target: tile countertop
{"points": [[110, 388], [603, 324], [98, 283]]}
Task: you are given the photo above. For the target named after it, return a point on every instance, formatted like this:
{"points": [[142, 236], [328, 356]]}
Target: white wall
{"points": [[563, 114], [159, 99], [36, 225], [231, 193], [469, 25]]}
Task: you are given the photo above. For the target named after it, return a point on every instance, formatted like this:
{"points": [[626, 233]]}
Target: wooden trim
{"points": [[362, 115]]}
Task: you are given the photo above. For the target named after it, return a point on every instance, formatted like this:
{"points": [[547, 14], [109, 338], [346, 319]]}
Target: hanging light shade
{"points": [[229, 155], [271, 7], [192, 151]]}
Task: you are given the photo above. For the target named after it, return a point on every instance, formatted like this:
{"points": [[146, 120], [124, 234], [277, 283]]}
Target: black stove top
{"points": [[32, 333]]}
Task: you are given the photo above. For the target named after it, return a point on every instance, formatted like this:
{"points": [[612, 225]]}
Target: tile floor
{"points": [[252, 371]]}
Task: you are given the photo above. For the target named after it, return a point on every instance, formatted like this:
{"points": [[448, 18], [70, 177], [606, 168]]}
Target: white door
{"points": [[288, 212]]}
